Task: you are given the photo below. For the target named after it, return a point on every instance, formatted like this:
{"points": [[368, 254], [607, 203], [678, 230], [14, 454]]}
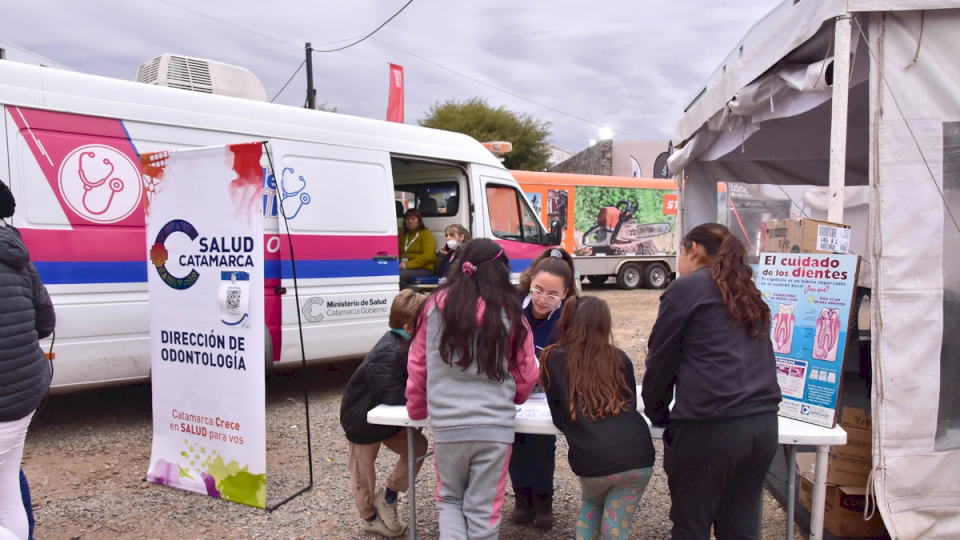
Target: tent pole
{"points": [[838, 124]]}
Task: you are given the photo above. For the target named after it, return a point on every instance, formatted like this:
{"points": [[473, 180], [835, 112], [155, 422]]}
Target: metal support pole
{"points": [[411, 474], [311, 93], [838, 124], [791, 486], [819, 494]]}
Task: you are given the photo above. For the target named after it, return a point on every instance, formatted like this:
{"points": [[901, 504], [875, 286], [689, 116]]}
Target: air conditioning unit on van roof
{"points": [[199, 75]]}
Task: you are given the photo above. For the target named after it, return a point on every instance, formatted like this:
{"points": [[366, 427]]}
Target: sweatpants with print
{"points": [[715, 470], [471, 478], [610, 502], [363, 473]]}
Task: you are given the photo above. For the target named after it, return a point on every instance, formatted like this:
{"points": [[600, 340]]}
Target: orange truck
{"points": [[620, 227]]}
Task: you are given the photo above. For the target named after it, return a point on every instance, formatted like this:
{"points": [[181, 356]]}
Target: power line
{"points": [[288, 81], [554, 109], [488, 85], [371, 33], [226, 23]]}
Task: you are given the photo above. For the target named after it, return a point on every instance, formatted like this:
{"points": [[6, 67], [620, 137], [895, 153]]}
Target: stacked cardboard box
{"points": [[848, 468], [805, 236]]}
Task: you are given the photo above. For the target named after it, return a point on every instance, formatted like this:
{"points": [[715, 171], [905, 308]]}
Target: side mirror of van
{"points": [[553, 238]]}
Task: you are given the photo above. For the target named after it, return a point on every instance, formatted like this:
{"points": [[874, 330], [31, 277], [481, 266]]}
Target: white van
{"points": [[69, 149]]}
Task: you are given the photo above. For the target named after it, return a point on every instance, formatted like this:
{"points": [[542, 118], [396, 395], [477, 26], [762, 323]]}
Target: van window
{"points": [[337, 197], [431, 199], [510, 219]]}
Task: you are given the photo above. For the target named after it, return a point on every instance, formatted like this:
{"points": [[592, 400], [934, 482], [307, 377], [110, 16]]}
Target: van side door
{"points": [[337, 213]]}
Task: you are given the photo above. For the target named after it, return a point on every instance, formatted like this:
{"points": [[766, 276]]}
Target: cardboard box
{"points": [[805, 236], [859, 428], [850, 464], [846, 471], [843, 510]]}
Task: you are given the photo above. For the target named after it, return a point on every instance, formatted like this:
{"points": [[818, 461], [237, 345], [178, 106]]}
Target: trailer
{"points": [[614, 226]]}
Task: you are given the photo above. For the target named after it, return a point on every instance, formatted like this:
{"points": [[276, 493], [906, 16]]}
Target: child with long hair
{"points": [[543, 286], [710, 347], [592, 395], [471, 361]]}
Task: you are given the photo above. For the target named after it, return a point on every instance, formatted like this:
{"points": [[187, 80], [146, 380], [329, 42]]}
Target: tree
{"points": [[479, 120]]}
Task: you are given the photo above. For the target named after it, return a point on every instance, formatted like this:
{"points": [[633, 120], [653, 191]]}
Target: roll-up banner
{"points": [[205, 280]]}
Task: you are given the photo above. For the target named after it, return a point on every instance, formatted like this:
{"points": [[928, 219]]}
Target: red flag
{"points": [[395, 105]]}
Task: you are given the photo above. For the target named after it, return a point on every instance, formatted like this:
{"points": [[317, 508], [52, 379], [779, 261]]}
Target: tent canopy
{"points": [[903, 144]]}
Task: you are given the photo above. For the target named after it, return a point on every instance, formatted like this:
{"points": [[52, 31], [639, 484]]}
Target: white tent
{"points": [[896, 127]]}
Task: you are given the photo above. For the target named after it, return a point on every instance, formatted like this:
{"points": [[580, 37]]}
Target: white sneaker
{"points": [[386, 511], [377, 526]]}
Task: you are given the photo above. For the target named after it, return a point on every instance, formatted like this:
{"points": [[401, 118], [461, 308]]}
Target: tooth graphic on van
{"points": [[782, 334], [827, 335], [291, 193]]}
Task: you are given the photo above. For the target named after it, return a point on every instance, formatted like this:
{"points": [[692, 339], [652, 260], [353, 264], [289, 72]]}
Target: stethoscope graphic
{"points": [[284, 194], [115, 185]]}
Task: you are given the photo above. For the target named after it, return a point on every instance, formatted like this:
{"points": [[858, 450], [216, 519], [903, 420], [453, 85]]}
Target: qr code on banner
{"points": [[233, 299]]}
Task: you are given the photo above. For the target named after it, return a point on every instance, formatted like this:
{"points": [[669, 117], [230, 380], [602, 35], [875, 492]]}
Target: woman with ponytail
{"points": [[710, 349]]}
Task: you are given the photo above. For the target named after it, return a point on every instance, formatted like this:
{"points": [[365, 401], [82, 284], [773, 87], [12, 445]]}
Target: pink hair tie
{"points": [[468, 268]]}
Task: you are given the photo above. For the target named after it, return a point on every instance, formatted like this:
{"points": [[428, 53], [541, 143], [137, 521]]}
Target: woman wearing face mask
{"points": [[543, 286], [457, 236], [417, 247]]}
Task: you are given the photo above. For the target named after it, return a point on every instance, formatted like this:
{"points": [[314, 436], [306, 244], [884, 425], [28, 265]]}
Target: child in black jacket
{"points": [[381, 379], [592, 395]]}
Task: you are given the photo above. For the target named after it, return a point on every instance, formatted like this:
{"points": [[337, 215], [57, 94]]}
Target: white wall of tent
{"points": [[902, 156]]}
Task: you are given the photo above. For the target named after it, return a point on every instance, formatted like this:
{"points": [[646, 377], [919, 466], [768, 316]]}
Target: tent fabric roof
{"points": [[786, 38]]}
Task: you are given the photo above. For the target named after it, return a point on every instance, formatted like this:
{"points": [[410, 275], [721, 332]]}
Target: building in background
{"points": [[615, 158], [13, 53], [558, 155]]}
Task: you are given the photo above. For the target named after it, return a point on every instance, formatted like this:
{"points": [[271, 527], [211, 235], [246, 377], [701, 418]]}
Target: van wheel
{"points": [[597, 280], [629, 277], [655, 276]]}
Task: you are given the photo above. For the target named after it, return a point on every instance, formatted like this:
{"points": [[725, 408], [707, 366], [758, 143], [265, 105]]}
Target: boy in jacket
{"points": [[381, 379]]}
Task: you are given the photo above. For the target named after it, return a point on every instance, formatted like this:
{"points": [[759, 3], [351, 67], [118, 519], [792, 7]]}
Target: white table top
{"points": [[534, 417]]}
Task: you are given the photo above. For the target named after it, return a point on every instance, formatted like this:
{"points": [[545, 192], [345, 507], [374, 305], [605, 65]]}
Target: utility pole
{"points": [[311, 92]]}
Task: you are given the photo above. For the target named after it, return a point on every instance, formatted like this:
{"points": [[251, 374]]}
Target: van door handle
{"points": [[384, 257]]}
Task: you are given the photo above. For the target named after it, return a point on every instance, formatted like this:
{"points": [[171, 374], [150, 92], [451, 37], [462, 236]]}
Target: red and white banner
{"points": [[395, 105]]}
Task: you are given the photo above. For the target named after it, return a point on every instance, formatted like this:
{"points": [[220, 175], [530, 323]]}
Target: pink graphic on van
{"points": [[89, 162]]}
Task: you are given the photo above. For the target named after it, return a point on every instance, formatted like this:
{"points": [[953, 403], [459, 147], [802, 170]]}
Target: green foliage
{"points": [[484, 123], [590, 199]]}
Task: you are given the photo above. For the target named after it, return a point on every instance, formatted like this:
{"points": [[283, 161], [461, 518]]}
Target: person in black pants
{"points": [[710, 347], [544, 286]]}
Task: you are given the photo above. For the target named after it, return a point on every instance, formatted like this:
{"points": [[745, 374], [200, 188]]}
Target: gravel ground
{"points": [[87, 454]]}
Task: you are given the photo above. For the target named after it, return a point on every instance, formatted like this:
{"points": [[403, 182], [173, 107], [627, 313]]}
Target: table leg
{"points": [[819, 494], [791, 454], [412, 489]]}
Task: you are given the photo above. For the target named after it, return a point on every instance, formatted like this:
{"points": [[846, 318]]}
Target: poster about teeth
{"points": [[204, 212], [810, 298]]}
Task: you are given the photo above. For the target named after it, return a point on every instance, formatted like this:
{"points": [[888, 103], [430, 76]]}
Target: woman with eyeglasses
{"points": [[543, 286]]}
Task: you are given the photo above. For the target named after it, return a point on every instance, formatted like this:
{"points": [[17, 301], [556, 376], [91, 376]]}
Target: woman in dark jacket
{"points": [[26, 316], [710, 347], [381, 379]]}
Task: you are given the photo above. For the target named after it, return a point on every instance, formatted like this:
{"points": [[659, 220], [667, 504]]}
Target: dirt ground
{"points": [[87, 454]]}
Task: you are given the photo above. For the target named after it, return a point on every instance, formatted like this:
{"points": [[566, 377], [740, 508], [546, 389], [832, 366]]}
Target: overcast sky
{"points": [[631, 65]]}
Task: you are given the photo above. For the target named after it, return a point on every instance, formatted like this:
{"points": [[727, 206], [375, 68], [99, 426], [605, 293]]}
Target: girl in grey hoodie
{"points": [[471, 362]]}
